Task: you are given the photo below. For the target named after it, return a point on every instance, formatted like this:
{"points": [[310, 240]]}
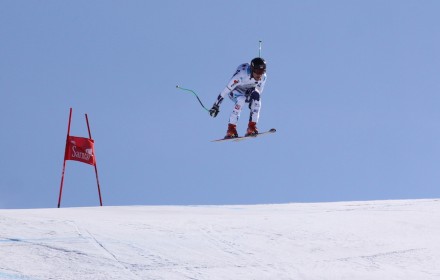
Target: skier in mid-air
{"points": [[245, 86]]}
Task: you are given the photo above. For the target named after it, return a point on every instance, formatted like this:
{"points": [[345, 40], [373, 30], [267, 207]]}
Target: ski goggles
{"points": [[259, 71]]}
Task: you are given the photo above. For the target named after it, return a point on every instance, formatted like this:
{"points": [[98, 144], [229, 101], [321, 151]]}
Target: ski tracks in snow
{"points": [[101, 246]]}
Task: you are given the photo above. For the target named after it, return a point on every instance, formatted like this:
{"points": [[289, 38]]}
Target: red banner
{"points": [[80, 149]]}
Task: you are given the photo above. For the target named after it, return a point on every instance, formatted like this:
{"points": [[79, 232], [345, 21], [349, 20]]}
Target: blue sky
{"points": [[352, 89]]}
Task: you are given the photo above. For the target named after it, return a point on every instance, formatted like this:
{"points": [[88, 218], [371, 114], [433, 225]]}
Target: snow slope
{"points": [[345, 240]]}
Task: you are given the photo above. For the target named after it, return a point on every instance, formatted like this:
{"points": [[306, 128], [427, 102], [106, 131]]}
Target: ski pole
{"points": [[259, 49], [195, 95]]}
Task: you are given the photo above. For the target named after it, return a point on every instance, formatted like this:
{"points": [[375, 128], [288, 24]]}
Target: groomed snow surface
{"points": [[344, 240]]}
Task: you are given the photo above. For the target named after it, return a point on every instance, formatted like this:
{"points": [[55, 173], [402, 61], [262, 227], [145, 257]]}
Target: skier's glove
{"points": [[214, 110]]}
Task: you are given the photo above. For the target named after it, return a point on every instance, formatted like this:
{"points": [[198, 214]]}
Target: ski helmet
{"points": [[258, 64]]}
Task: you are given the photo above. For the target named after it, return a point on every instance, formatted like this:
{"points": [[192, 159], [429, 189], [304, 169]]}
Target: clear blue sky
{"points": [[353, 89]]}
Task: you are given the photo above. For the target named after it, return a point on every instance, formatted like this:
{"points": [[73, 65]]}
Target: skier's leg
{"points": [[240, 100], [254, 106]]}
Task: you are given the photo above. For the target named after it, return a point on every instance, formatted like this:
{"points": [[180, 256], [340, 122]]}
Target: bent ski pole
{"points": [[195, 95]]}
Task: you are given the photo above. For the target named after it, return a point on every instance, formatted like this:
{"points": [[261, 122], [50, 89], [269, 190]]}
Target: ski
{"points": [[241, 138]]}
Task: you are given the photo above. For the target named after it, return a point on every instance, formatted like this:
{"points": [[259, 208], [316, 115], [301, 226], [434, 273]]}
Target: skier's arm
{"points": [[233, 83]]}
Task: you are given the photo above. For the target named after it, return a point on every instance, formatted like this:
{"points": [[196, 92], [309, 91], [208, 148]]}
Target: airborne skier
{"points": [[245, 86]]}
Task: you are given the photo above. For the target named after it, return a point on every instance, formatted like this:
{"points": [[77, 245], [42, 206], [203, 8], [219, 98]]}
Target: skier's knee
{"points": [[254, 101], [255, 95]]}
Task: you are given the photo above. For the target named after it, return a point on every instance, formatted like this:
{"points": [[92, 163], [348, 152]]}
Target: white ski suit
{"points": [[241, 89]]}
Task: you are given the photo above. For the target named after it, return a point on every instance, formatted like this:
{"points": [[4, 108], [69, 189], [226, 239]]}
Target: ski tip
{"points": [[272, 130]]}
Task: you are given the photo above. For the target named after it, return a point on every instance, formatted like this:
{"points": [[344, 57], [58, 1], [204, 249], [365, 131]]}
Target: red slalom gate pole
{"points": [[95, 165], [64, 163]]}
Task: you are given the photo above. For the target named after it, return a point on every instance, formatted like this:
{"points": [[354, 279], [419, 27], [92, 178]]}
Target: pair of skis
{"points": [[235, 139], [241, 138]]}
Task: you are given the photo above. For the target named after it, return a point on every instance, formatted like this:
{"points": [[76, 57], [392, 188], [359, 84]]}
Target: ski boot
{"points": [[252, 129], [232, 131]]}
